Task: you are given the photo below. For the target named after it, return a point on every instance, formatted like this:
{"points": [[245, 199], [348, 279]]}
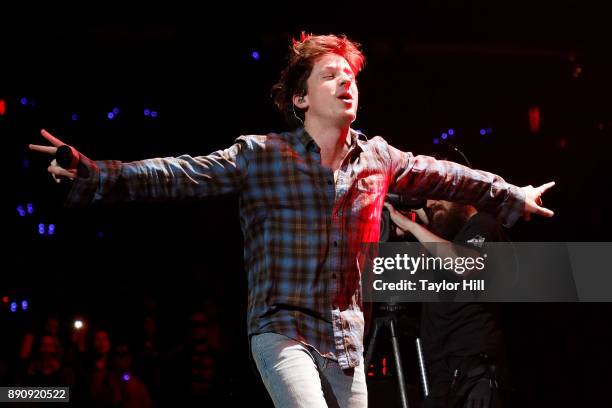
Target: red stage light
{"points": [[534, 119]]}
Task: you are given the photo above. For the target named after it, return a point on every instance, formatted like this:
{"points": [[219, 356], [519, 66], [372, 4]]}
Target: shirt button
{"points": [[336, 244], [329, 182]]}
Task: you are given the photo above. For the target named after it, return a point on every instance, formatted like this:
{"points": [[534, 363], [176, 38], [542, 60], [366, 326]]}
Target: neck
{"points": [[330, 139]]}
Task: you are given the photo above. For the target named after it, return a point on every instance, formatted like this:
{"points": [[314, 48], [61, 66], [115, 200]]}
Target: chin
{"points": [[350, 116]]}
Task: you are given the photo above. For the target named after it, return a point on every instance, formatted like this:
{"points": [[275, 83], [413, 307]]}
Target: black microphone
{"points": [[65, 158], [68, 158]]}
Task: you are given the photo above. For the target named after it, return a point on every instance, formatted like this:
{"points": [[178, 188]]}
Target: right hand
{"points": [[54, 169]]}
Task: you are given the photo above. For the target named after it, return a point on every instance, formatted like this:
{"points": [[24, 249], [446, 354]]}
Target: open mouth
{"points": [[345, 97]]}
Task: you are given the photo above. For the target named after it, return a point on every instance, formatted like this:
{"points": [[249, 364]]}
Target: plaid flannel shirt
{"points": [[302, 229]]}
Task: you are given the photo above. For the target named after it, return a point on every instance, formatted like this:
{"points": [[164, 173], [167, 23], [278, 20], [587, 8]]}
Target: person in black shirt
{"points": [[462, 341]]}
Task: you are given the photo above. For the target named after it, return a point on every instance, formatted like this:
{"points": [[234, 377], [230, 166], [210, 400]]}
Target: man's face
{"points": [[101, 342], [438, 210], [446, 218], [332, 92]]}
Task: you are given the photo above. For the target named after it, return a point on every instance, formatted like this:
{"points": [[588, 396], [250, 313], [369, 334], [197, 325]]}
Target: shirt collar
{"points": [[358, 139]]}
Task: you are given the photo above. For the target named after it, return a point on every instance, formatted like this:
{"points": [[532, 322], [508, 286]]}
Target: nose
{"points": [[345, 81]]}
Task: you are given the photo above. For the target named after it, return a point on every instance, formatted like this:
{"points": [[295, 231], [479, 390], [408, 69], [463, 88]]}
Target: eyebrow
{"points": [[335, 68]]}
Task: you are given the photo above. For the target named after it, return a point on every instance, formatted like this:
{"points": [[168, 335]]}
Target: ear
{"points": [[301, 101]]}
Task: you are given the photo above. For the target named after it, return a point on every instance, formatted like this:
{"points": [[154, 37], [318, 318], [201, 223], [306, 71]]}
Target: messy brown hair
{"points": [[303, 54]]}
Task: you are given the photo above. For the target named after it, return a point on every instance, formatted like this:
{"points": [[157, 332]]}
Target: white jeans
{"points": [[296, 376]]}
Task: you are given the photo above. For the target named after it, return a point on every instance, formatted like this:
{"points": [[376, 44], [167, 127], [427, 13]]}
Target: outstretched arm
{"points": [[426, 177], [167, 178]]}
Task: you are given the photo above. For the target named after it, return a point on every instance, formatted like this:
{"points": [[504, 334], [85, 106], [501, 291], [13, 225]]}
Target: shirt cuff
{"points": [[95, 179], [513, 207]]}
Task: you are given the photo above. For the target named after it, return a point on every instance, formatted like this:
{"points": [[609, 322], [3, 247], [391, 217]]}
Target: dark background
{"points": [[430, 67]]}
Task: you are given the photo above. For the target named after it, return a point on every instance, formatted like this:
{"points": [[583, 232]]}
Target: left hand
{"points": [[402, 221], [533, 201]]}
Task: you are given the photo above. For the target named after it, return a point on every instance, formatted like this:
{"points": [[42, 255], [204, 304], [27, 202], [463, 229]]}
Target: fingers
{"points": [[43, 149], [58, 171], [544, 212], [536, 209], [52, 139], [389, 207], [544, 187]]}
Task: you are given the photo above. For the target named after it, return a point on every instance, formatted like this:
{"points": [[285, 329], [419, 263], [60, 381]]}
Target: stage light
{"points": [[24, 305], [21, 211], [255, 55], [483, 132], [30, 208], [489, 131], [125, 377], [5, 299], [78, 324], [436, 140], [23, 101], [147, 112], [74, 117], [26, 163], [444, 136], [51, 229], [116, 111], [13, 307], [110, 115], [41, 229], [153, 114], [451, 132], [534, 119], [2, 107]]}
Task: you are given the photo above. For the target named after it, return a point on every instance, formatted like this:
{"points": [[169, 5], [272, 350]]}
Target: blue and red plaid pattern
{"points": [[302, 229]]}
